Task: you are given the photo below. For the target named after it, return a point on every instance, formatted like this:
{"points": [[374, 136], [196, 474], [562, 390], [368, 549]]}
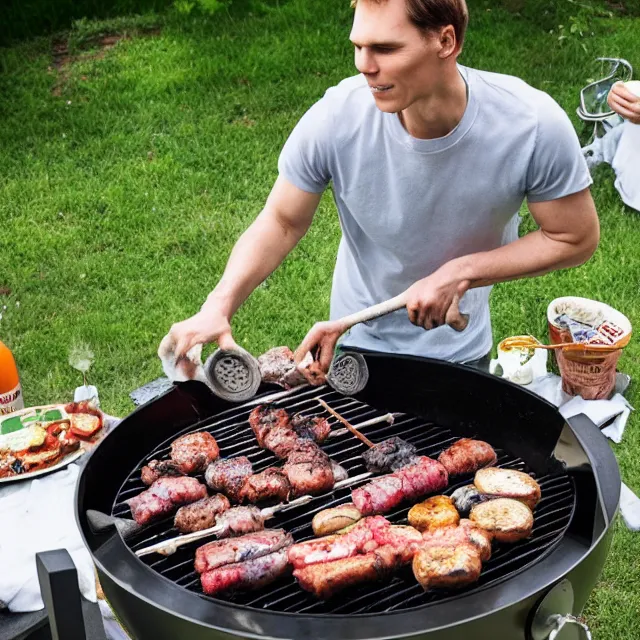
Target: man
{"points": [[429, 163]]}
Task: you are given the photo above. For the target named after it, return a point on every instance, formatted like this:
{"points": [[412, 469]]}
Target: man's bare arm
{"points": [[286, 217]]}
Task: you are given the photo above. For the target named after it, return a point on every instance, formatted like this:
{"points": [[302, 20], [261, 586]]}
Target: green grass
{"points": [[126, 177]]}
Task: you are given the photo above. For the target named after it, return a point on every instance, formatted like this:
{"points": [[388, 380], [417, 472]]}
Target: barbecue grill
{"points": [[523, 590]]}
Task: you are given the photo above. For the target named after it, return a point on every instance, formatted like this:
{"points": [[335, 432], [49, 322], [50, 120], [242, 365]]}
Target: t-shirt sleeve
{"points": [[557, 167], [305, 158]]}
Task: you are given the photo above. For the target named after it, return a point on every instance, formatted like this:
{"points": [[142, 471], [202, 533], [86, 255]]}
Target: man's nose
{"points": [[365, 62]]}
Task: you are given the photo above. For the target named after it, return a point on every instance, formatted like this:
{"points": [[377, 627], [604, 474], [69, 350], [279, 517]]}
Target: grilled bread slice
{"points": [[332, 520], [507, 520], [438, 511], [447, 566], [508, 483]]}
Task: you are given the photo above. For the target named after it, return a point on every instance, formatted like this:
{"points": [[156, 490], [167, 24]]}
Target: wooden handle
{"points": [[347, 424]]}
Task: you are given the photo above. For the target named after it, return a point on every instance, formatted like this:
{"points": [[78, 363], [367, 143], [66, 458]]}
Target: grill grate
{"points": [[235, 437]]}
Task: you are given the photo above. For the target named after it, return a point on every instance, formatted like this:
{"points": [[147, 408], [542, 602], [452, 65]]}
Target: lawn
{"points": [[127, 173]]}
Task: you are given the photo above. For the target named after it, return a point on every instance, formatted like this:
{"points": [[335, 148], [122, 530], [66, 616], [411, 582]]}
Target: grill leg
{"points": [[58, 580]]}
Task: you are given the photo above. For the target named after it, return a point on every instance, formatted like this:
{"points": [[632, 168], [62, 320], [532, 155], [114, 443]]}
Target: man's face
{"points": [[400, 64]]}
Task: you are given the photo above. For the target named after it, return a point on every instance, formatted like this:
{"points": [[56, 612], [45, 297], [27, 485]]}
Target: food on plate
{"points": [[507, 520], [447, 566], [508, 483], [201, 514], [389, 455], [332, 520], [467, 456], [164, 496], [437, 511], [227, 476], [84, 425], [158, 469], [193, 452], [415, 480]]}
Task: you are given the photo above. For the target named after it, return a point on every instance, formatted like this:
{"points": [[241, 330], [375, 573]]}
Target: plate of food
{"points": [[42, 439]]}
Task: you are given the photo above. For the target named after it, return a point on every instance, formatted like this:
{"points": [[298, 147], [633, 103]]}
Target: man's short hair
{"points": [[429, 15]]}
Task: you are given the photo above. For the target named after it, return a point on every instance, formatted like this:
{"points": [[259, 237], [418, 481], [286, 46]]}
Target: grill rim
{"points": [[114, 560]]}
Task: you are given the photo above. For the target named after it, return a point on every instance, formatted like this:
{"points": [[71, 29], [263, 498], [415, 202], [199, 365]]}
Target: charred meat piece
{"points": [[410, 482], [281, 439], [264, 418], [277, 366], [465, 498], [467, 456], [228, 476], [389, 455], [325, 580], [271, 484], [507, 520], [252, 574], [240, 520], [201, 514], [447, 566], [437, 511], [314, 428], [164, 496], [508, 483], [248, 547], [309, 469], [194, 451], [159, 469]]}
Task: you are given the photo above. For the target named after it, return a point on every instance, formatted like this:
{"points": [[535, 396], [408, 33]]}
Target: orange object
{"points": [[10, 390]]}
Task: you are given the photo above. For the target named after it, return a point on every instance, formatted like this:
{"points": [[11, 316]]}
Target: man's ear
{"points": [[447, 41]]}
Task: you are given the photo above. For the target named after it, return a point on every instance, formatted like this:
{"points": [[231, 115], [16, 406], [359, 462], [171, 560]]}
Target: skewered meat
{"points": [[194, 451], [465, 498], [309, 469], [228, 476], [158, 469], [281, 439], [447, 566], [325, 580], [413, 481], [389, 455], [248, 547], [240, 520], [505, 519], [264, 418], [437, 511], [332, 520], [164, 496], [201, 514], [252, 574], [508, 483], [272, 483], [314, 428], [467, 456]]}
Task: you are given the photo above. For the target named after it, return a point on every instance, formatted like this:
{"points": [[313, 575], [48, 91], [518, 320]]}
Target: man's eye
{"points": [[384, 49]]}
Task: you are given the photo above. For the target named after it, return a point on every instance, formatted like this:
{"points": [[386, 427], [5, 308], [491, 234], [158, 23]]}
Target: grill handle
{"points": [[560, 622], [603, 461]]}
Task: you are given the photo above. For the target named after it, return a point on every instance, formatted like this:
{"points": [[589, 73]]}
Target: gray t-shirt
{"points": [[407, 205]]}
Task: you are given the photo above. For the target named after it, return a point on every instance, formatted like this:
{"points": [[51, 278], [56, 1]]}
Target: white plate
{"points": [[68, 459]]}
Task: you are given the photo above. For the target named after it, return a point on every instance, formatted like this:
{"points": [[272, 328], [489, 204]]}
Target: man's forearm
{"points": [[532, 255], [258, 252]]}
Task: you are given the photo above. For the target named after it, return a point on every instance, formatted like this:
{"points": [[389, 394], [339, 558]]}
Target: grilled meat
{"points": [[467, 456], [447, 566], [228, 476], [508, 483], [201, 514], [159, 469], [332, 520], [466, 532], [309, 469], [325, 580], [314, 428], [339, 472], [240, 520], [252, 574], [277, 366], [263, 418], [465, 498], [389, 455], [480, 538], [164, 496], [437, 511], [505, 519], [194, 451], [410, 482], [270, 484], [248, 547], [281, 439]]}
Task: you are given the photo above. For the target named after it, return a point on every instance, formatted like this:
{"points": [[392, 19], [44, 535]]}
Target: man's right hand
{"points": [[624, 102], [206, 326]]}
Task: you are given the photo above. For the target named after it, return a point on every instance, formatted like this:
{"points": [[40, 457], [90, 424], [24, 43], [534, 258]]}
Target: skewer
{"points": [[388, 417], [347, 424], [168, 547]]}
